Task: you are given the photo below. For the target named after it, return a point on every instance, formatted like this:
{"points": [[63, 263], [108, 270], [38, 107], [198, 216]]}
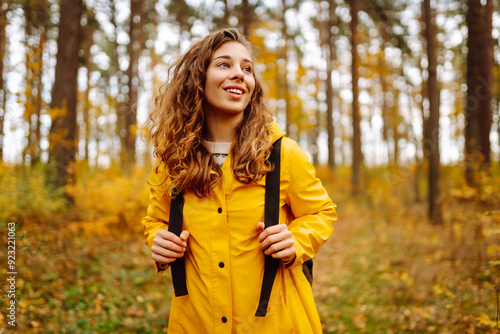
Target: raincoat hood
{"points": [[275, 131]]}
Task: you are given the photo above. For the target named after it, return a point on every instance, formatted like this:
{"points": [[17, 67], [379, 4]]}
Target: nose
{"points": [[237, 73]]}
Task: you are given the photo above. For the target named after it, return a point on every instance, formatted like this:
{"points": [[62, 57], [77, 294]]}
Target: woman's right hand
{"points": [[168, 247]]}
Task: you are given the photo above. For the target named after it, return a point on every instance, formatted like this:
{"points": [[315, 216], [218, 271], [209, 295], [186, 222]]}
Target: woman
{"points": [[212, 136]]}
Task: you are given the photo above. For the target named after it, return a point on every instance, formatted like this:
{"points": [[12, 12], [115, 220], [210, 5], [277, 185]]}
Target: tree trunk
{"points": [[39, 102], [64, 93], [497, 98], [227, 14], [395, 117], [357, 158], [30, 78], [385, 113], [130, 117], [89, 41], [3, 47], [433, 126], [478, 112], [115, 102], [418, 160], [329, 113], [246, 17], [181, 20], [284, 71], [486, 72], [330, 94]]}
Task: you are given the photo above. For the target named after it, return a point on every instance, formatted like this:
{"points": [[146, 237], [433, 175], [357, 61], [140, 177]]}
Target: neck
{"points": [[222, 128]]}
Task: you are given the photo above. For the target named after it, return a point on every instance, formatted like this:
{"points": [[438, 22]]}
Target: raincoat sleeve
{"points": [[313, 211], [158, 211]]}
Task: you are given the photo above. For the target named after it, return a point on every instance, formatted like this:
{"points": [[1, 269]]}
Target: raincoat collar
{"points": [[275, 131]]}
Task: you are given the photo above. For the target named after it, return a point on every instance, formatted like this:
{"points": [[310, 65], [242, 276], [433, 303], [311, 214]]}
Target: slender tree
{"points": [[357, 157], [424, 92], [3, 47], [130, 116], [285, 95], [246, 16], [227, 14], [328, 41], [181, 12], [37, 21], [64, 92], [384, 14], [478, 112], [384, 84], [433, 125], [116, 101], [88, 40], [37, 151]]}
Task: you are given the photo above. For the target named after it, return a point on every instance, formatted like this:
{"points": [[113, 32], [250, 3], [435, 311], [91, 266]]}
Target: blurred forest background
{"points": [[396, 102]]}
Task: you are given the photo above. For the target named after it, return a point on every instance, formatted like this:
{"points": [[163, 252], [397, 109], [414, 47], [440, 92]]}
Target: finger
{"points": [[163, 259], [274, 229], [167, 244], [167, 235], [261, 228], [278, 246], [284, 254], [184, 236], [166, 253], [274, 238]]}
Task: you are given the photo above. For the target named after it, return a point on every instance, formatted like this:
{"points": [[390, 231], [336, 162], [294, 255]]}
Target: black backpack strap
{"points": [[307, 269], [271, 217], [175, 226]]}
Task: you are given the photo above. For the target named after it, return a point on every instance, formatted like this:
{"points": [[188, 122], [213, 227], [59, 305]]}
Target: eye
{"points": [[248, 69], [224, 64]]}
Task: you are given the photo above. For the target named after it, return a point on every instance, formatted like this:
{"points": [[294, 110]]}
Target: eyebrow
{"points": [[229, 57]]}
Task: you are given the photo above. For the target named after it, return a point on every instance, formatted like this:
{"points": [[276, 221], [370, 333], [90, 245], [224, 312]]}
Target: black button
{"points": [[221, 264], [224, 319], [219, 210]]}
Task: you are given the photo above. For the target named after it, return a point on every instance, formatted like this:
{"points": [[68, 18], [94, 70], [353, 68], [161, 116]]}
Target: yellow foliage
{"points": [[465, 193], [484, 319], [24, 195], [405, 278], [492, 249], [441, 289], [106, 198], [58, 112], [457, 230], [438, 289]]}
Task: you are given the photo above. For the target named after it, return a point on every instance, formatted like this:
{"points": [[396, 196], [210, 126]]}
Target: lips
{"points": [[235, 90]]}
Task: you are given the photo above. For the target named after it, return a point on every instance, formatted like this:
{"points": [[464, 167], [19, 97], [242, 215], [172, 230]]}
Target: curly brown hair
{"points": [[177, 124]]}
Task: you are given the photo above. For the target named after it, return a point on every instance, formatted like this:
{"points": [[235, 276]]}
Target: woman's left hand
{"points": [[277, 241]]}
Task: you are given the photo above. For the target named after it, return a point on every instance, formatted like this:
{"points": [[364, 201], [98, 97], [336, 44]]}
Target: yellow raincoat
{"points": [[224, 260]]}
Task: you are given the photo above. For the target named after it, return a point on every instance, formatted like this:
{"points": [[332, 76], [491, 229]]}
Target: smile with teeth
{"points": [[235, 91]]}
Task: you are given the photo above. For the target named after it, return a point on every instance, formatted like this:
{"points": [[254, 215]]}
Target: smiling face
{"points": [[229, 81]]}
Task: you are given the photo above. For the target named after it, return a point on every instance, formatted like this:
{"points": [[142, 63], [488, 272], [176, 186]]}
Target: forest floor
{"points": [[385, 270], [379, 275]]}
